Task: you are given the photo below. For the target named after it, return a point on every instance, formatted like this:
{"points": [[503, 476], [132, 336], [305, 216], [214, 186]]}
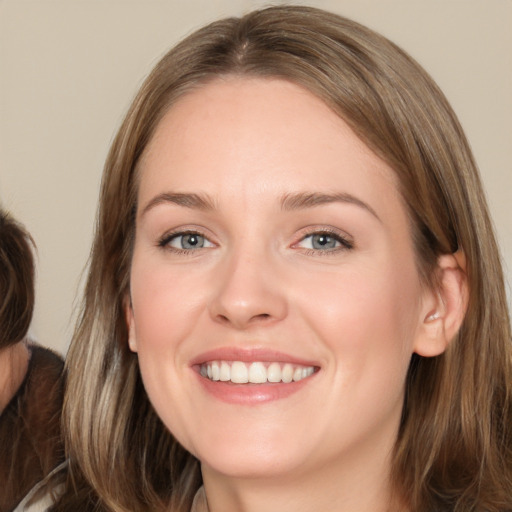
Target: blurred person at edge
{"points": [[31, 383], [295, 299]]}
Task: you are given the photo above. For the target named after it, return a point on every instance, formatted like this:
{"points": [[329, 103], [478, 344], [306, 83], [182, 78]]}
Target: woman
{"points": [[295, 298], [31, 386]]}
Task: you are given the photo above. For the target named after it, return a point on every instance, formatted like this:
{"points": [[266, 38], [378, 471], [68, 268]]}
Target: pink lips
{"points": [[248, 355], [249, 394]]}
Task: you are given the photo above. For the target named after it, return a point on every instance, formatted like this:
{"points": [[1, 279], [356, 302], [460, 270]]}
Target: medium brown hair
{"points": [[453, 451], [16, 280]]}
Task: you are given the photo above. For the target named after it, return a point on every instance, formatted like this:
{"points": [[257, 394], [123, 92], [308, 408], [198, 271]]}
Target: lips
{"points": [[250, 376]]}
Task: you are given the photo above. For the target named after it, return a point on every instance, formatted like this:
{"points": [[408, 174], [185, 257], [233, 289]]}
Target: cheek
{"points": [[165, 306], [367, 316], [165, 303]]}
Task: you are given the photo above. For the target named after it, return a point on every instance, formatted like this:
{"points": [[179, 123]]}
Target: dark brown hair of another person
{"points": [[30, 439], [16, 280]]}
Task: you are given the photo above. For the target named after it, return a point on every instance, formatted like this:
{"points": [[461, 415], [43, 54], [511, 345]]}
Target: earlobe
{"points": [[130, 324], [444, 308]]}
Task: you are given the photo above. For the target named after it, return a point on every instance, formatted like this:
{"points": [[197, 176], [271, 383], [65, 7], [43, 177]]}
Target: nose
{"points": [[249, 292]]}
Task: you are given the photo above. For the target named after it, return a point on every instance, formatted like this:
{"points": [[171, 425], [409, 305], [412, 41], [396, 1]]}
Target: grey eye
{"points": [[189, 241], [323, 241], [192, 241], [320, 241]]}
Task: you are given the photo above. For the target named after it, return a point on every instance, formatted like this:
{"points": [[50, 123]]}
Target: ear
{"points": [[130, 324], [444, 307]]}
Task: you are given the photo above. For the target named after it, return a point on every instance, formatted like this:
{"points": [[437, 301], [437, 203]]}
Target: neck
{"points": [[13, 367], [354, 486]]}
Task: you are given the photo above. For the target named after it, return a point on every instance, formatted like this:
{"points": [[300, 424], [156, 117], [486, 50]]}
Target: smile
{"points": [[239, 372]]}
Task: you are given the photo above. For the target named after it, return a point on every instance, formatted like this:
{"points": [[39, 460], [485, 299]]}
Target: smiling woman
{"points": [[277, 231], [295, 300]]}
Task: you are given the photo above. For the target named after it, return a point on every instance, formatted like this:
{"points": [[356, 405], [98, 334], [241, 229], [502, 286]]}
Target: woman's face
{"points": [[275, 301]]}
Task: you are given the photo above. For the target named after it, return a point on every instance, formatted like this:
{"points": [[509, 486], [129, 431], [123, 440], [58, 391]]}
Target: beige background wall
{"points": [[68, 69]]}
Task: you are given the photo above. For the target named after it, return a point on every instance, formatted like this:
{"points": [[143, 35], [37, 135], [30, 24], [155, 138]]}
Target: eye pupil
{"points": [[192, 241], [323, 241]]}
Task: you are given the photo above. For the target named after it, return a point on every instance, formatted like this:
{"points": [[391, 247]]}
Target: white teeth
{"points": [[239, 373], [287, 375], [274, 372], [297, 374], [225, 371], [215, 371], [257, 372]]}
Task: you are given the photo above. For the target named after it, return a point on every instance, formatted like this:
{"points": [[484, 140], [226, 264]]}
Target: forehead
{"points": [[260, 124]]}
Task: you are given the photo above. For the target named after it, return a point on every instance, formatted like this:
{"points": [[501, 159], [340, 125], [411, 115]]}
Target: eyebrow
{"points": [[302, 200], [289, 202], [192, 201]]}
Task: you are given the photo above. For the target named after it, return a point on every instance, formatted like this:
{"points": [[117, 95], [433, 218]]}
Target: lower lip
{"points": [[251, 394]]}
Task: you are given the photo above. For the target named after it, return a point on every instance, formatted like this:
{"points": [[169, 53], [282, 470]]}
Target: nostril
{"points": [[223, 318], [262, 316], [226, 319]]}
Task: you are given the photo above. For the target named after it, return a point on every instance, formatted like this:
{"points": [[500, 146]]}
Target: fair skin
{"points": [[267, 232], [13, 367]]}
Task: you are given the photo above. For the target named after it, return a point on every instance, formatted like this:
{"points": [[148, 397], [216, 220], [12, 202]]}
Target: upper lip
{"points": [[249, 355]]}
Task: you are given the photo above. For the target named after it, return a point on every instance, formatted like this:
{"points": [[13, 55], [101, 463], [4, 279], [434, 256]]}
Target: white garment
{"points": [[46, 501], [41, 505], [199, 504]]}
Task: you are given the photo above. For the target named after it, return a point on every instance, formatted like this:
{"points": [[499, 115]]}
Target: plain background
{"points": [[69, 68]]}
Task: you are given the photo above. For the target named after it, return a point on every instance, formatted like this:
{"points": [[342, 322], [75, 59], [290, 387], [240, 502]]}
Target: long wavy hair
{"points": [[453, 451]]}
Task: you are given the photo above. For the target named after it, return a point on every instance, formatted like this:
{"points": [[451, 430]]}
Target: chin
{"points": [[249, 465], [253, 455]]}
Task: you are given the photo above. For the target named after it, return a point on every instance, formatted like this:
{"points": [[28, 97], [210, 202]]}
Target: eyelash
{"points": [[345, 243], [168, 237]]}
